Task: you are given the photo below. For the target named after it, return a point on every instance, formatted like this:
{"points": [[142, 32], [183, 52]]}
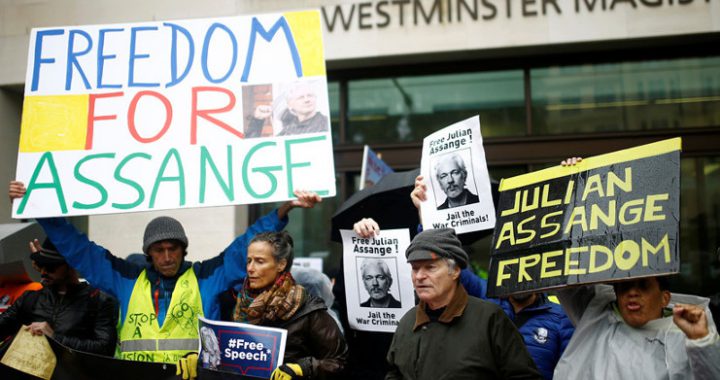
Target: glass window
{"points": [[409, 108], [334, 100], [699, 226], [682, 93]]}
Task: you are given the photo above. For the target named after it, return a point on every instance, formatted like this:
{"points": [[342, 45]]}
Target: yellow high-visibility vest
{"points": [[140, 336]]}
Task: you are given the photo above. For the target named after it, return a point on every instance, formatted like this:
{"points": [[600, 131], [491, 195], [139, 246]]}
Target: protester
{"points": [[377, 280], [159, 319], [73, 313], [451, 174], [630, 331], [315, 347], [544, 326], [450, 334], [319, 285]]}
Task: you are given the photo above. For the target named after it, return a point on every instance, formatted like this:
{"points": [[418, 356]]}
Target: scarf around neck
{"points": [[279, 303]]}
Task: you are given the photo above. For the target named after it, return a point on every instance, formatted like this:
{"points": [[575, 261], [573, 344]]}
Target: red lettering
{"points": [[131, 116], [92, 117], [205, 114]]}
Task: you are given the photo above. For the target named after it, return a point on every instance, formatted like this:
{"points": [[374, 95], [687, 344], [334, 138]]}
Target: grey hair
{"points": [[451, 263], [380, 263], [282, 244], [451, 157]]}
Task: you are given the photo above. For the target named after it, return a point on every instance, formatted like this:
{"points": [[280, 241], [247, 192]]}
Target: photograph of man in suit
{"points": [[451, 175], [377, 279]]}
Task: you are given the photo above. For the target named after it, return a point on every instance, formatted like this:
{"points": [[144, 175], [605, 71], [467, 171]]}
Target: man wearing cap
{"points": [[73, 313], [450, 334], [160, 303]]}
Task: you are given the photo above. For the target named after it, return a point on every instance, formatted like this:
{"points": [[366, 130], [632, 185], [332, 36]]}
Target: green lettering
{"points": [[180, 178], [99, 187], [35, 185], [131, 183], [290, 165], [267, 170], [227, 187]]}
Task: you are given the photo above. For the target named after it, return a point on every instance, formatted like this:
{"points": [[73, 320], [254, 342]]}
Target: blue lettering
{"points": [[38, 59], [134, 56], [206, 46], [102, 58], [257, 28], [72, 58], [175, 79]]}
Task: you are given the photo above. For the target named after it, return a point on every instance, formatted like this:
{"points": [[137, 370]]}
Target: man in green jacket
{"points": [[451, 335]]}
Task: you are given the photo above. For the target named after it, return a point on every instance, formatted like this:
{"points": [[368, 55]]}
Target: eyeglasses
{"points": [[378, 277]]}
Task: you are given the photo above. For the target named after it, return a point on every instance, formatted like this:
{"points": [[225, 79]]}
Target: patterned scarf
{"points": [[279, 303]]}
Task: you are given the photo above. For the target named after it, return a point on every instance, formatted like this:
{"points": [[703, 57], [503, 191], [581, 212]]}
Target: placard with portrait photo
{"points": [[458, 184], [378, 286]]}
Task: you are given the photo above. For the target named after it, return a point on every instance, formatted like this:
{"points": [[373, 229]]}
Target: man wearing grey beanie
{"points": [[160, 303], [451, 334]]}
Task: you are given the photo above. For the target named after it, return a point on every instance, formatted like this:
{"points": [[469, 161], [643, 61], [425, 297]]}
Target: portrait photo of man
{"points": [[284, 109], [451, 175], [377, 278]]}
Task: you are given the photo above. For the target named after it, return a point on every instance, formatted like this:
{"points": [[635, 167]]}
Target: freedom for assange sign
{"points": [[610, 217], [160, 115]]}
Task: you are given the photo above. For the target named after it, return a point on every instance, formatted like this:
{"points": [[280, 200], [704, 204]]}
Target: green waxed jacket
{"points": [[472, 339]]}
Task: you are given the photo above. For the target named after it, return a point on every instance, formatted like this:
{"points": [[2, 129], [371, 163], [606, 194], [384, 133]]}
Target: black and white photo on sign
{"points": [[453, 180], [378, 283], [455, 173], [376, 276]]}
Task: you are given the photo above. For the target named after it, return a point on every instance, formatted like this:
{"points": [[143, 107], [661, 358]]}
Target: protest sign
{"points": [[458, 184], [30, 354], [373, 168], [610, 217], [162, 115], [241, 348], [378, 286]]}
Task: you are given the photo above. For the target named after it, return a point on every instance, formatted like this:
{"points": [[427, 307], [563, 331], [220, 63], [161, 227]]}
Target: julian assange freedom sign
{"points": [[610, 217], [161, 115]]}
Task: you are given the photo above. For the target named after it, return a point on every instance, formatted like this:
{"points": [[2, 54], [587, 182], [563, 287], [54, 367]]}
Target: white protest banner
{"points": [[458, 184], [162, 115], [373, 168], [378, 286], [242, 348]]}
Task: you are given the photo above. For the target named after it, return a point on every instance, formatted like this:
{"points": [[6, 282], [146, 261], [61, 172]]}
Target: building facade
{"points": [[549, 79]]}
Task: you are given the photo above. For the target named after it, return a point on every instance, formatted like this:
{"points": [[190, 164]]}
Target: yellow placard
{"points": [[306, 31]]}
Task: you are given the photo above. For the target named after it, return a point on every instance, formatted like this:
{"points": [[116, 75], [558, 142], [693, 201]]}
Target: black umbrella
{"points": [[389, 204]]}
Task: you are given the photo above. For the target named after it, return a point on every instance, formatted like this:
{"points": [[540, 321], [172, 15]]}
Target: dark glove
{"points": [[289, 371], [187, 366]]}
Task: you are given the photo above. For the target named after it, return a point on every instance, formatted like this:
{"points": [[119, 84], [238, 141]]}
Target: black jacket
{"points": [[314, 340], [83, 319]]}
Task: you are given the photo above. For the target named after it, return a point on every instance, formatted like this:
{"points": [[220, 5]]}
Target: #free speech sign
{"points": [[178, 114]]}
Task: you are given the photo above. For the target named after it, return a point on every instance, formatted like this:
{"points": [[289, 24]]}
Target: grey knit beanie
{"points": [[164, 228], [437, 243]]}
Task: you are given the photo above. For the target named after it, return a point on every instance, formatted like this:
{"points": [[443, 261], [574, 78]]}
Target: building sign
{"points": [[611, 217], [354, 29], [161, 115]]}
